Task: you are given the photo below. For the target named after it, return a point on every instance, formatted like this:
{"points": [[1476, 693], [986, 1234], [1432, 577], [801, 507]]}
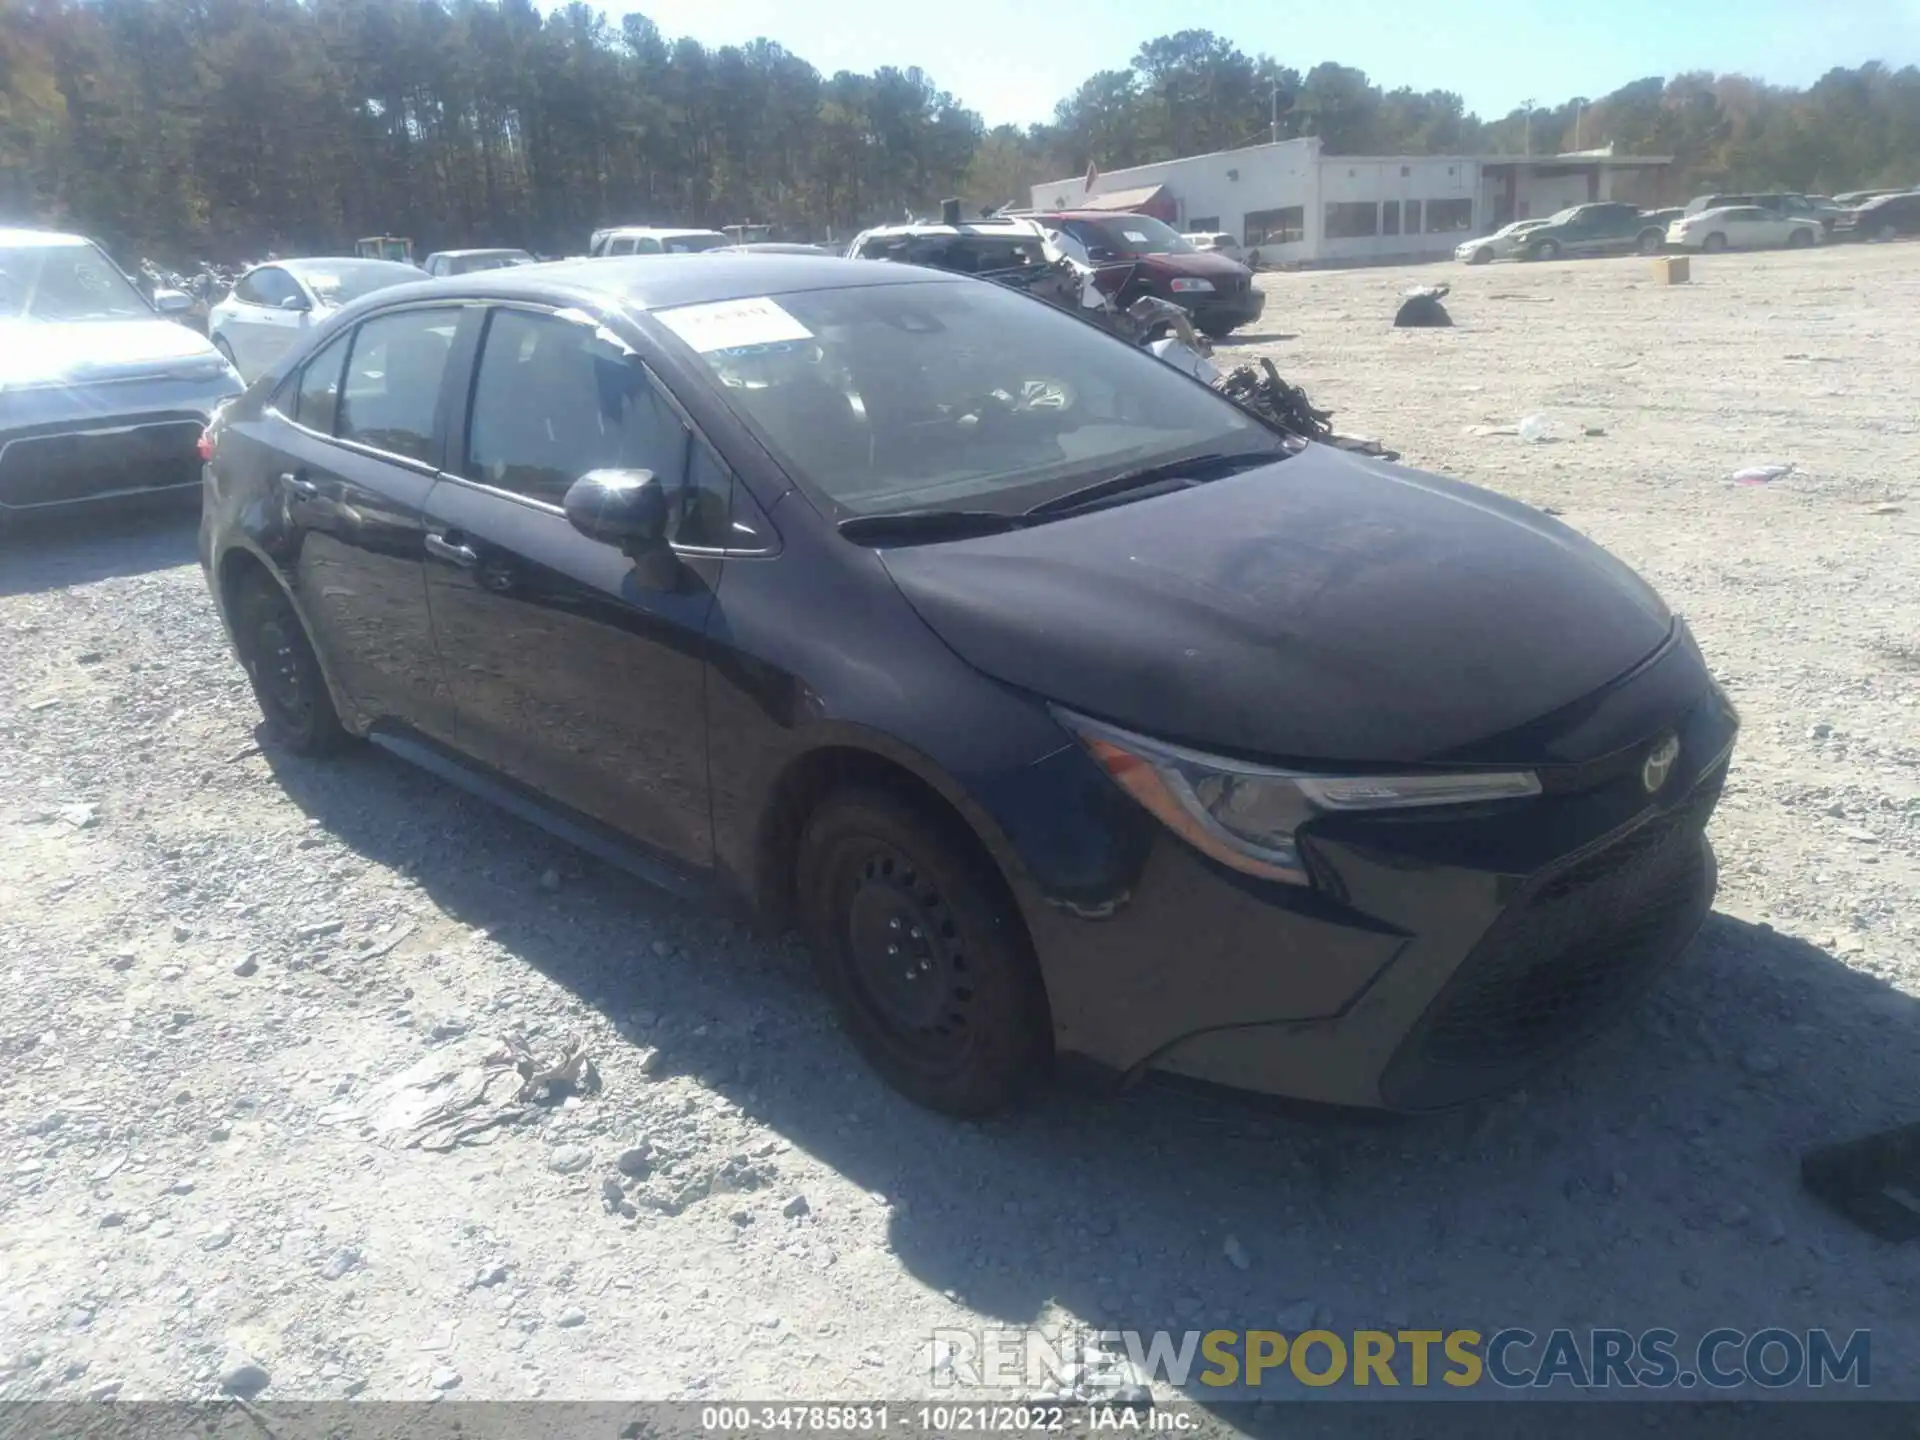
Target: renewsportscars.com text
{"points": [[1015, 1358]]}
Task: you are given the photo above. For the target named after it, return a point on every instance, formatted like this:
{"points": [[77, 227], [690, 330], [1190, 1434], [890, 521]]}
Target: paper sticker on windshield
{"points": [[1136, 236], [733, 324]]}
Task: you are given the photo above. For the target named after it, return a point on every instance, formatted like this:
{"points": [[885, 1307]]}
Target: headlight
{"points": [[1185, 283], [1248, 816]]}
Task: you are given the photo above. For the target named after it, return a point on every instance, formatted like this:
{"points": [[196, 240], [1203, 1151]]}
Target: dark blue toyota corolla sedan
{"points": [[1075, 716]]}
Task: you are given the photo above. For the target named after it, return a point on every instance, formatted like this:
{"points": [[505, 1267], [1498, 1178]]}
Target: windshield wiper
{"points": [[911, 527], [1192, 469]]}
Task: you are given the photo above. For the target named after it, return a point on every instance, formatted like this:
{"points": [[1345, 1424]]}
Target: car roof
{"points": [[1102, 215], [483, 250], [19, 237], [988, 226], [656, 282], [655, 230]]}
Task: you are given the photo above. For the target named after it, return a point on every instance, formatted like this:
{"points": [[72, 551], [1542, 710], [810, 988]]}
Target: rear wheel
{"points": [[1714, 242], [286, 677], [922, 953], [1546, 250], [1886, 232], [226, 350], [1649, 242], [1215, 329], [1799, 239]]}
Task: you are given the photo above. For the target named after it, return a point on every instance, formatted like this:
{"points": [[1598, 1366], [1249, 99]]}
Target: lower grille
{"points": [[1565, 958], [79, 465]]}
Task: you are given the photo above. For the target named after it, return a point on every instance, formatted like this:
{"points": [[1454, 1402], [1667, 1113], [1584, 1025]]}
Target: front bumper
{"points": [[74, 444], [1240, 307], [1438, 957]]}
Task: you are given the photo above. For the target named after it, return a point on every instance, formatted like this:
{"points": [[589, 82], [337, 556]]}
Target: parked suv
{"points": [[1217, 291], [1785, 203], [1887, 218], [1607, 227]]}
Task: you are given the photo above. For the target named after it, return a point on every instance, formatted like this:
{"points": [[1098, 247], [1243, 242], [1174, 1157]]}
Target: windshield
{"points": [[1129, 235], [885, 398], [65, 282], [690, 244], [344, 281], [1561, 217], [491, 260]]}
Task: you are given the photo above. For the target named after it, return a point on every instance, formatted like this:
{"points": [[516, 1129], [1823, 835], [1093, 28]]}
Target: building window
{"points": [[1446, 215], [1352, 219], [1405, 171], [1413, 217], [1285, 226], [1204, 225], [1389, 217]]}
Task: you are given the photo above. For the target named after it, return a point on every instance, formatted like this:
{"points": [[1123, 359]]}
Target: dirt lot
{"points": [[215, 955]]}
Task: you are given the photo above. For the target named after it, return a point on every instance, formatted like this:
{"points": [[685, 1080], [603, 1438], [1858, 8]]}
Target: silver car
{"points": [[273, 305], [101, 395], [1502, 244]]}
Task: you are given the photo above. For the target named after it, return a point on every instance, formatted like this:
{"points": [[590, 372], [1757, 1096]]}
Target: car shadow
{"points": [[98, 542], [1640, 1182]]}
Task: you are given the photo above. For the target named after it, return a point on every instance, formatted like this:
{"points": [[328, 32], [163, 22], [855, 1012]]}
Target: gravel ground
{"points": [[216, 955]]}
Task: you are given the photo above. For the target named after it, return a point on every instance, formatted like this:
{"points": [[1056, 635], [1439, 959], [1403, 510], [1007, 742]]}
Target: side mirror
{"points": [[172, 302], [298, 303], [627, 509]]}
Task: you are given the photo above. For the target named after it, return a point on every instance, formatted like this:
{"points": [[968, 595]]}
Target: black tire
{"points": [[280, 663], [1886, 232], [1714, 243], [1545, 250], [1650, 242], [1482, 256], [1215, 329], [1799, 239], [226, 350], [873, 867]]}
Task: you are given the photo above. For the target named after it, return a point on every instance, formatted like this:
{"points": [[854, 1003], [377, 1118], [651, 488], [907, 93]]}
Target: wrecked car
{"points": [[102, 396], [1077, 717]]}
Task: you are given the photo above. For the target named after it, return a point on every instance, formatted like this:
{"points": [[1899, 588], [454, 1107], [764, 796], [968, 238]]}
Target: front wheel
{"points": [[285, 673], [923, 954], [1482, 256], [1799, 239], [1714, 243]]}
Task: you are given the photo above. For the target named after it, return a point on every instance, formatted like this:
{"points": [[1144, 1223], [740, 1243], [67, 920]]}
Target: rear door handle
{"points": [[445, 549], [300, 485]]}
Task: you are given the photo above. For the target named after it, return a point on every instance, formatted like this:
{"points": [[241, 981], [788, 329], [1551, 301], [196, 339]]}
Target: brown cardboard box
{"points": [[1673, 269]]}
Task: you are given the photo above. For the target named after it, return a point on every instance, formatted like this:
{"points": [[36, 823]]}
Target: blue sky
{"points": [[1012, 59]]}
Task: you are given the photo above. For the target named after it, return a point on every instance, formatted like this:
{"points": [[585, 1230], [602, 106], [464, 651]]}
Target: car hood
{"points": [[1325, 608], [80, 352]]}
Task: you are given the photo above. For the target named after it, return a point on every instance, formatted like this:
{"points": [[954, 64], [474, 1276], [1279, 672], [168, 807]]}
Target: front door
{"points": [[359, 461], [263, 326], [570, 674]]}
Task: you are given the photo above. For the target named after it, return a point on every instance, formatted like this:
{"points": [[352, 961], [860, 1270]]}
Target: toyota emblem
{"points": [[1659, 764]]}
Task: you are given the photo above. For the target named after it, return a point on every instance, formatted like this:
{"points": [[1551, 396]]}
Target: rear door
{"points": [[570, 675], [358, 456]]}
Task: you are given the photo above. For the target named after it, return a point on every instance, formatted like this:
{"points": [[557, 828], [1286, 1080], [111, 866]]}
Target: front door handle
{"points": [[300, 485], [445, 549]]}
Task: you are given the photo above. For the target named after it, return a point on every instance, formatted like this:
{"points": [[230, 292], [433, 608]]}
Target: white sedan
{"points": [[273, 305], [1502, 244], [1743, 227]]}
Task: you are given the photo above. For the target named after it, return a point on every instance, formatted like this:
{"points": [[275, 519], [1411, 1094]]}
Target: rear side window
{"points": [[552, 400], [392, 385], [316, 403]]}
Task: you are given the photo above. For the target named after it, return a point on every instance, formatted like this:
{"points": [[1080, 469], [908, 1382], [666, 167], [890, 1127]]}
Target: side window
{"points": [[620, 245], [247, 288], [392, 384], [645, 245], [552, 400], [272, 286], [316, 400]]}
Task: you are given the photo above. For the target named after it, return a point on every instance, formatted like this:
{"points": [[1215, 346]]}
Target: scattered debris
{"points": [[460, 1093], [1420, 309], [1761, 474], [243, 1376], [1536, 430], [1873, 1181]]}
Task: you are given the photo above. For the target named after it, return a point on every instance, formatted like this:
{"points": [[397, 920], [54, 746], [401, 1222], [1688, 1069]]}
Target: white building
{"points": [[1294, 204]]}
